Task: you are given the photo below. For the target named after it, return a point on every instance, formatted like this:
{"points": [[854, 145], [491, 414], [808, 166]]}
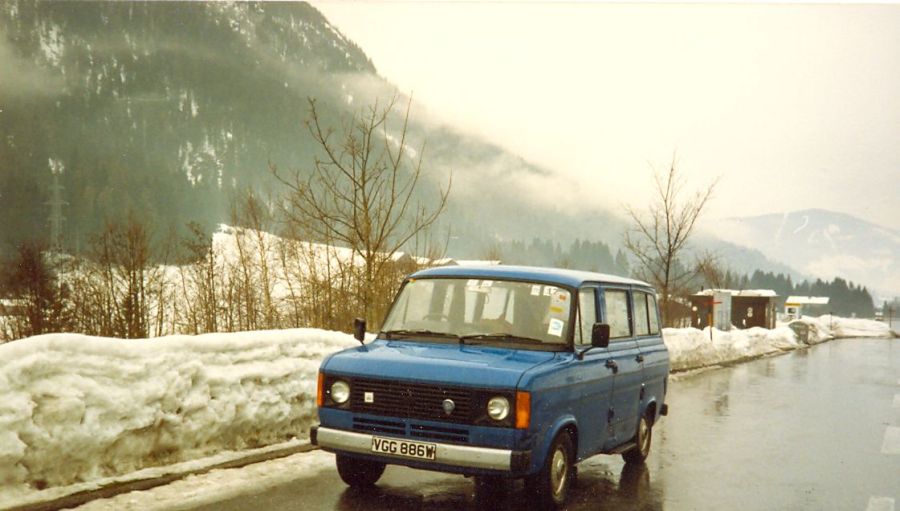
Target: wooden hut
{"points": [[746, 308]]}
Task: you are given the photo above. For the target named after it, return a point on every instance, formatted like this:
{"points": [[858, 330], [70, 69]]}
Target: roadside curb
{"points": [[118, 488]]}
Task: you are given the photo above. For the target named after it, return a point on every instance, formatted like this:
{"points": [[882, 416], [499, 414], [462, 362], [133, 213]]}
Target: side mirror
{"points": [[359, 329], [600, 335]]}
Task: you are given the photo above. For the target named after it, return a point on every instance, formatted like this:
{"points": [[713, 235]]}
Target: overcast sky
{"points": [[794, 106]]}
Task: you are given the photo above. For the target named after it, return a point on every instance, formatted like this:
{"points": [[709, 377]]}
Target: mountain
{"points": [[155, 109], [166, 110], [823, 244]]}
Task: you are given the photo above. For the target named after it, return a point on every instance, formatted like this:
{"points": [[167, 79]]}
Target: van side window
{"points": [[587, 315], [654, 318], [641, 321], [617, 316]]}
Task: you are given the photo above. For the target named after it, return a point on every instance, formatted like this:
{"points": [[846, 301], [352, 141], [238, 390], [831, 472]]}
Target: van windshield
{"points": [[481, 310]]}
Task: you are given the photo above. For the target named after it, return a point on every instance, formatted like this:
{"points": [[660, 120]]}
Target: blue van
{"points": [[499, 372]]}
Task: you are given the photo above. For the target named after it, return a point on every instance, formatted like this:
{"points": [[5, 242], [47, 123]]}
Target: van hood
{"points": [[449, 364]]}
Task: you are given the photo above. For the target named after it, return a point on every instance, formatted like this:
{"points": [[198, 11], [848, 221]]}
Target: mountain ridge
{"points": [[823, 244]]}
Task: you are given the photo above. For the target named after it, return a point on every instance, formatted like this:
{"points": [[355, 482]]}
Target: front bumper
{"points": [[461, 456]]}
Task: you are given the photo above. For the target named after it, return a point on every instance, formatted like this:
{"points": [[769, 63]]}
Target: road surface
{"points": [[813, 429]]}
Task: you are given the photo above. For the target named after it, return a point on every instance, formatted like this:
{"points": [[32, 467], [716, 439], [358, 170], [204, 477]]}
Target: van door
{"points": [[650, 343], [624, 360], [595, 380]]}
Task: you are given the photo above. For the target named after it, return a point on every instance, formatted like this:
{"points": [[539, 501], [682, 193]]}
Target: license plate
{"points": [[404, 448]]}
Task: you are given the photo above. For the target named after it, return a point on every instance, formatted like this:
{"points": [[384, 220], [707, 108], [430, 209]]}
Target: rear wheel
{"points": [[642, 440], [550, 486], [358, 473]]}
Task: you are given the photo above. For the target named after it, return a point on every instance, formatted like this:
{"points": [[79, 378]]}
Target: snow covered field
{"points": [[77, 409]]}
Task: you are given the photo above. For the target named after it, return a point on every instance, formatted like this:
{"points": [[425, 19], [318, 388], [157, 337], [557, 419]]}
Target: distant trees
{"points": [[364, 192], [658, 236], [579, 254], [845, 298]]}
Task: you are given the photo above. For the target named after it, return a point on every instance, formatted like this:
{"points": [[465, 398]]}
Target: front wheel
{"points": [[358, 473], [642, 437], [550, 486]]}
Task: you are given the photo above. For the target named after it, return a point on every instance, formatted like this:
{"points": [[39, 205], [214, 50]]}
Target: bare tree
{"points": [[659, 235], [364, 193], [123, 262], [711, 271], [492, 252], [198, 282], [252, 272]]}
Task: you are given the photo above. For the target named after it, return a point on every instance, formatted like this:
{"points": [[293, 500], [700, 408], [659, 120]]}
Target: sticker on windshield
{"points": [[556, 327], [535, 290], [479, 286], [559, 304], [560, 298]]}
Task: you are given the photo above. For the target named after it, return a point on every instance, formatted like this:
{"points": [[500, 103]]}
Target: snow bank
{"points": [[77, 408], [690, 348], [829, 327]]}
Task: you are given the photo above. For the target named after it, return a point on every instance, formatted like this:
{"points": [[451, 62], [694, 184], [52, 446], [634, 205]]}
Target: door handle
{"points": [[639, 358], [611, 364]]}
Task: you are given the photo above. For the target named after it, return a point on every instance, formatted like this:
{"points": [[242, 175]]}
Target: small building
{"points": [[726, 307], [796, 306]]}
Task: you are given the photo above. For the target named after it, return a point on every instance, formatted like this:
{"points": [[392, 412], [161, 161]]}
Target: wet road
{"points": [[814, 429]]}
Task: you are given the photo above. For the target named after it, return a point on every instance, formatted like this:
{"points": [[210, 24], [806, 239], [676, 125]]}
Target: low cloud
{"points": [[22, 78]]}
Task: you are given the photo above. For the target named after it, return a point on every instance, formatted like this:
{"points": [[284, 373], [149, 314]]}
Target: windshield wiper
{"points": [[499, 336], [405, 332]]}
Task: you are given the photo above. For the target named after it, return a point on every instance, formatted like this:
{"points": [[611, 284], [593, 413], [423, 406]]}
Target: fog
{"points": [[797, 103], [20, 79]]}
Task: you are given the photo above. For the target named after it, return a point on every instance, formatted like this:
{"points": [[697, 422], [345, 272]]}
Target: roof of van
{"points": [[571, 278]]}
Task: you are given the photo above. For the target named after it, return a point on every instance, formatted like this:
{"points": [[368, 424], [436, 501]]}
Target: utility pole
{"points": [[56, 204]]}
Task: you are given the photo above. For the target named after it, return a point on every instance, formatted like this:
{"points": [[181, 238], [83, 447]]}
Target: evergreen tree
{"points": [[31, 279]]}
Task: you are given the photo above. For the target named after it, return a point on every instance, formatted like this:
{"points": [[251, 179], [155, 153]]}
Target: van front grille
{"points": [[412, 401]]}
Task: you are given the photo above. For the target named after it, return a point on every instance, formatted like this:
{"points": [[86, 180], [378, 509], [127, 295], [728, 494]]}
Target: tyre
{"points": [[642, 438], [550, 486], [358, 473]]}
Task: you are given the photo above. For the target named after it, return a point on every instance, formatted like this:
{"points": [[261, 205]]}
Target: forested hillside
{"points": [[151, 108], [167, 110]]}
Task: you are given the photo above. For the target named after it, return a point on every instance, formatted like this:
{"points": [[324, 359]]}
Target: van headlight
{"points": [[498, 408], [340, 392]]}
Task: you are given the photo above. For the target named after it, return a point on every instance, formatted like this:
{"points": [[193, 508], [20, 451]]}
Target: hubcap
{"points": [[558, 471], [644, 437]]}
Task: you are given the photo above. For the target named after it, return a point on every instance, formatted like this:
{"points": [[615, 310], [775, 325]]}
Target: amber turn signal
{"points": [[320, 391], [523, 410]]}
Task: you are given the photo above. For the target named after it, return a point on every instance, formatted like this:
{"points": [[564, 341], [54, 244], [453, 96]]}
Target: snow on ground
{"points": [[218, 485], [690, 348], [833, 327], [78, 409]]}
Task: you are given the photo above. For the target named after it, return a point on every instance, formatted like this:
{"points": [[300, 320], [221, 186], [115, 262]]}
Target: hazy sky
{"points": [[794, 106]]}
